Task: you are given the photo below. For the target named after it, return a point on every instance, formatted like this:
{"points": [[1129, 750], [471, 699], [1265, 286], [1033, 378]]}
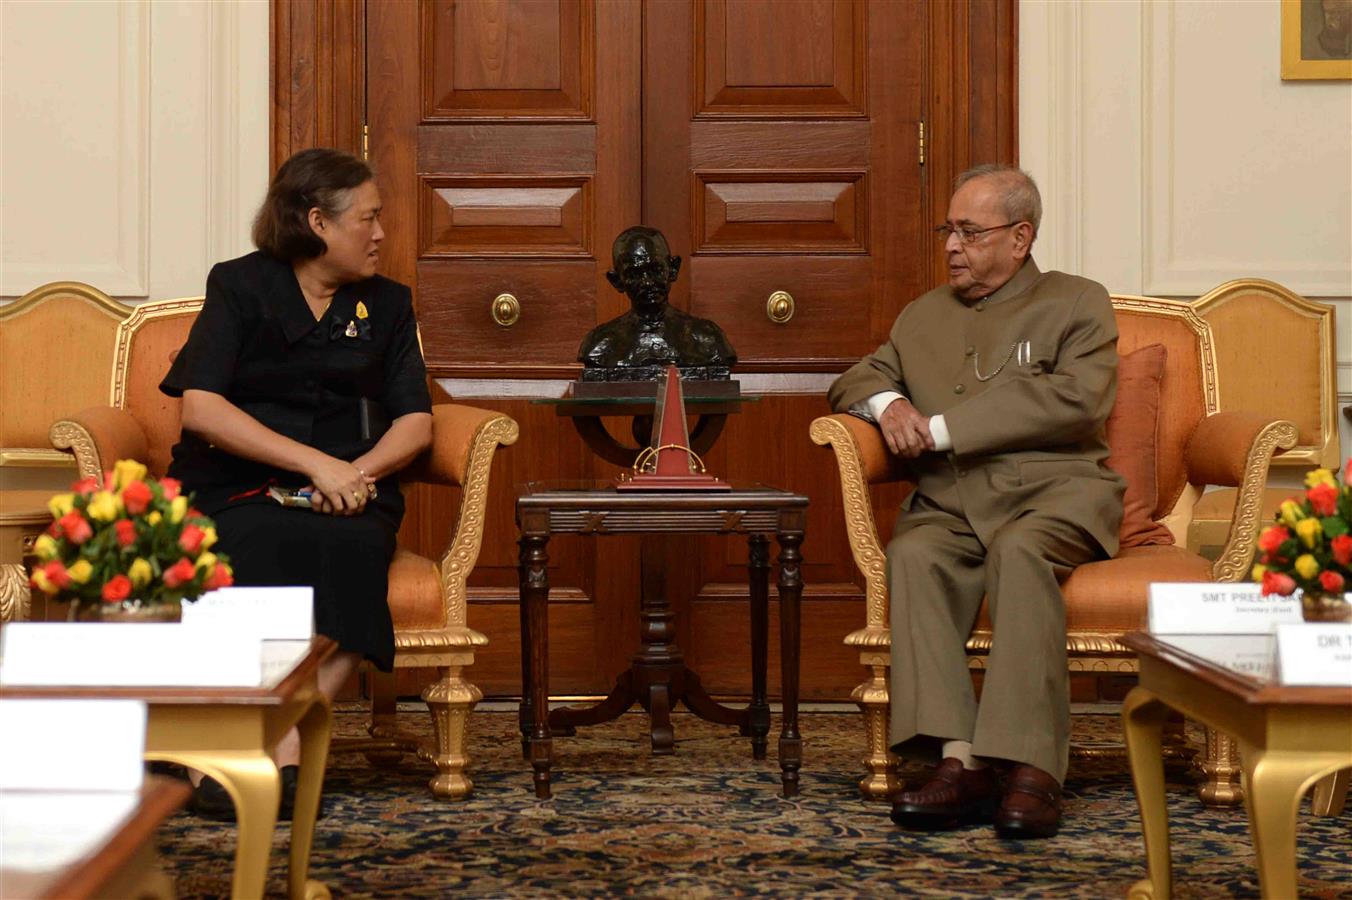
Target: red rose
{"points": [[171, 487], [74, 527], [220, 577], [126, 532], [85, 486], [195, 513], [137, 497], [191, 538], [1272, 538], [57, 574], [1331, 582], [117, 588], [1277, 583], [179, 573], [1323, 499], [1342, 549]]}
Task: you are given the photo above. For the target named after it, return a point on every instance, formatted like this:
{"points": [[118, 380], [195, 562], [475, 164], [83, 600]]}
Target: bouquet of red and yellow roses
{"points": [[1310, 547], [130, 540]]}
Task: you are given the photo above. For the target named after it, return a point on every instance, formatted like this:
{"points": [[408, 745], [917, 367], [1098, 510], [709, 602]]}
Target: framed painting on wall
{"points": [[1316, 39]]}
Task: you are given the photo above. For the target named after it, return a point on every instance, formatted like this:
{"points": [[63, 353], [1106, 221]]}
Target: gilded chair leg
{"points": [[450, 700], [882, 780], [1221, 771]]}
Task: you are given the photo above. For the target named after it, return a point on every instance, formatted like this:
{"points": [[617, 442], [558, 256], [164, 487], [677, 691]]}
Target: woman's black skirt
{"points": [[345, 559]]}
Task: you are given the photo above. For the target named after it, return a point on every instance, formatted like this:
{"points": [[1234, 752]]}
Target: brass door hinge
{"points": [[366, 141], [922, 142]]}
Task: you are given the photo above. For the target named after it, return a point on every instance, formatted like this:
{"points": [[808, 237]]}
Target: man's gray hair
{"points": [[1022, 201]]}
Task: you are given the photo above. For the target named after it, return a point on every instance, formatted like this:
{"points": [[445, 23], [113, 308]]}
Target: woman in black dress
{"points": [[303, 371]]}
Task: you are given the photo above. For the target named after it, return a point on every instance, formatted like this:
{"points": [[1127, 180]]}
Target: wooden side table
{"points": [[658, 678]]}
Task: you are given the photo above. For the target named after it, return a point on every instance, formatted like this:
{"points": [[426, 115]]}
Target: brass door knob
{"points": [[779, 308], [506, 310]]}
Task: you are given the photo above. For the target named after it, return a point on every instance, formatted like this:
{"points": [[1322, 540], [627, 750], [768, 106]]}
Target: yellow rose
{"points": [[1307, 566], [43, 583], [1257, 573], [206, 561], [154, 518], [80, 571], [44, 547], [1291, 513], [208, 536], [125, 471], [139, 572], [104, 507], [1309, 531], [61, 504], [178, 508], [1319, 476]]}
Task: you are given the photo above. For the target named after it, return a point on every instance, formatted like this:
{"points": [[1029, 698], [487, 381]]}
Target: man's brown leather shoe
{"points": [[953, 796], [1032, 805]]}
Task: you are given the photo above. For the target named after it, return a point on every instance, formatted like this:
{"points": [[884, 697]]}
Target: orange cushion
{"points": [[1133, 428], [1110, 595], [415, 592]]}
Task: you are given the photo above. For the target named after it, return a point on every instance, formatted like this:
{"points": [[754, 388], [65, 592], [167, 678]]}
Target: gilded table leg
{"points": [[252, 781], [1275, 781], [1330, 793], [1143, 718], [314, 756]]}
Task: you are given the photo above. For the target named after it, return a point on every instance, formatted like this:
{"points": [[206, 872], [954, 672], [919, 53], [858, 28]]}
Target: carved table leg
{"points": [[1221, 767], [758, 712], [1143, 718], [535, 597], [790, 598]]}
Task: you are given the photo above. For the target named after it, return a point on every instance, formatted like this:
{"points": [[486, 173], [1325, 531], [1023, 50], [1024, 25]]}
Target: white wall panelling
{"points": [[76, 145], [137, 183]]}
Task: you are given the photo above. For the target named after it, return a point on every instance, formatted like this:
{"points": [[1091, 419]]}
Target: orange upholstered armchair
{"points": [[427, 597], [1195, 445]]}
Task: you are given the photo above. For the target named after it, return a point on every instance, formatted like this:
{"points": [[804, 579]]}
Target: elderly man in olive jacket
{"points": [[996, 388]]}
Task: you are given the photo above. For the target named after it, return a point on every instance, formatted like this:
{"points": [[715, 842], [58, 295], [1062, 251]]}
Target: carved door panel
{"points": [[505, 135], [782, 155]]}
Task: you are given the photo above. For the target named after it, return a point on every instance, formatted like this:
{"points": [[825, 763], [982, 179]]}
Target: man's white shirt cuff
{"points": [[872, 409]]}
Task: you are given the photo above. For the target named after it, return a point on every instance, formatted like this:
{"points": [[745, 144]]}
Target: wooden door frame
{"points": [[318, 87]]}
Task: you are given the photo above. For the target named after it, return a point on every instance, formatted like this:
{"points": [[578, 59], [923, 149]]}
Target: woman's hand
{"points": [[340, 487]]}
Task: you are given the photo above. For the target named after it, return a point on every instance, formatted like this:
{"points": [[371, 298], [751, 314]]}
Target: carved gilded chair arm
{"points": [[464, 440], [99, 436], [862, 459], [1234, 449]]}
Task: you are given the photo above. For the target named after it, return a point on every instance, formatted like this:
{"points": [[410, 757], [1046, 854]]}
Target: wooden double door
{"points": [[780, 146]]}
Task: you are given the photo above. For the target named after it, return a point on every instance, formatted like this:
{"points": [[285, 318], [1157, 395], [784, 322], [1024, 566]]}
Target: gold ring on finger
{"points": [[356, 495]]}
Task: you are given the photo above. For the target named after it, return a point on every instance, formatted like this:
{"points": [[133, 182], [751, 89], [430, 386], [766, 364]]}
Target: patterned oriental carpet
{"points": [[708, 822]]}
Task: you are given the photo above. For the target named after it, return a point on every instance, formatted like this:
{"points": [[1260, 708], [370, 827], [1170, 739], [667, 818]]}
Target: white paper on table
{"points": [[267, 613], [121, 654], [1315, 654], [1211, 608], [71, 745], [45, 830]]}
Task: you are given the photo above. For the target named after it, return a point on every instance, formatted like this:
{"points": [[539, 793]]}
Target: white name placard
{"points": [[71, 745], [127, 655], [1209, 608], [1315, 654], [42, 830], [1247, 654], [266, 613]]}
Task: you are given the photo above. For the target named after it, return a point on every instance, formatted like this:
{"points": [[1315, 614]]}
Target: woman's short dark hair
{"points": [[318, 177]]}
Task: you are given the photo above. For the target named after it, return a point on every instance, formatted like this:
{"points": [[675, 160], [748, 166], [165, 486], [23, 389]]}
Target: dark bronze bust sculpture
{"points": [[640, 344]]}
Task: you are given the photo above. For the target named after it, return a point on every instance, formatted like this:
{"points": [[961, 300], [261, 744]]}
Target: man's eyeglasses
{"points": [[968, 235]]}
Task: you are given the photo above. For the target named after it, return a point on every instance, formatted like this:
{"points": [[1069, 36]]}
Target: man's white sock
{"points": [[961, 751]]}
